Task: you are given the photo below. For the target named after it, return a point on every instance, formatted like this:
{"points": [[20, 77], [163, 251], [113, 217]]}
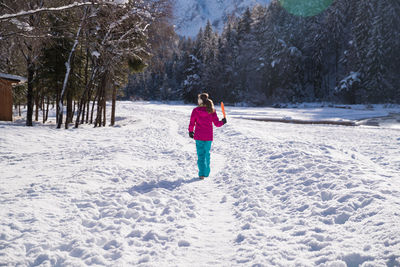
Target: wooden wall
{"points": [[6, 100]]}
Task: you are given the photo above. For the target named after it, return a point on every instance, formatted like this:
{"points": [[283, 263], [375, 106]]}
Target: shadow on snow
{"points": [[146, 187]]}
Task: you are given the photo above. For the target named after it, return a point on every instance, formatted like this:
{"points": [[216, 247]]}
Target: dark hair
{"points": [[207, 102]]}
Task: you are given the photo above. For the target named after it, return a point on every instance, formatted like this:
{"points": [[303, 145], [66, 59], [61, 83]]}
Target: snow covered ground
{"points": [[278, 194]]}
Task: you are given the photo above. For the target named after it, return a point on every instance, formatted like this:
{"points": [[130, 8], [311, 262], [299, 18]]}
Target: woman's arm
{"points": [[193, 119], [216, 121]]}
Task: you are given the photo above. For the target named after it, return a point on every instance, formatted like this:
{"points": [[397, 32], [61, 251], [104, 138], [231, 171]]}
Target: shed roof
{"points": [[14, 78]]}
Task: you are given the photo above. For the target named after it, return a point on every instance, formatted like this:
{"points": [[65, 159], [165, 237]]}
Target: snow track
{"points": [[278, 194], [208, 236], [211, 235]]}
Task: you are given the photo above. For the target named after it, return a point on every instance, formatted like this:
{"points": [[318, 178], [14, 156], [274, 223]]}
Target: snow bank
{"points": [[313, 112]]}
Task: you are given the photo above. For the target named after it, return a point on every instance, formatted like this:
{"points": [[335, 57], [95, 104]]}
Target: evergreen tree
{"points": [[245, 52], [336, 22], [192, 85], [375, 69], [223, 71], [54, 54], [362, 26], [208, 54], [268, 55]]}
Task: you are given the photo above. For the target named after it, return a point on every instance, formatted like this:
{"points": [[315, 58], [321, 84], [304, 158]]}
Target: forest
{"points": [[346, 54], [77, 55]]}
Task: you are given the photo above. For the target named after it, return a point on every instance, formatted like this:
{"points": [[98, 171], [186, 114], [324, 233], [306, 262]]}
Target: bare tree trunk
{"points": [[101, 100], [73, 111], [19, 109], [93, 104], [86, 94], [114, 98], [84, 100], [80, 106], [37, 104], [43, 109], [68, 66], [99, 111], [81, 100], [104, 111], [90, 92], [69, 109], [70, 106], [31, 71], [57, 107], [83, 107], [47, 108]]}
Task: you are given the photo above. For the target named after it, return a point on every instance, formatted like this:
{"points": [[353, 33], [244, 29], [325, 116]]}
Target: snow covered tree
{"points": [[27, 32], [336, 21], [51, 63], [116, 40], [245, 47], [362, 24], [225, 66], [208, 52], [346, 53], [192, 85]]}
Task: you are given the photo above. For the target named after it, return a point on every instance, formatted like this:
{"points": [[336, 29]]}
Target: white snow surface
{"points": [[278, 194]]}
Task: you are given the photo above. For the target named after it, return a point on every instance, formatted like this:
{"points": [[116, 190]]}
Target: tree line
{"points": [[77, 54], [348, 54]]}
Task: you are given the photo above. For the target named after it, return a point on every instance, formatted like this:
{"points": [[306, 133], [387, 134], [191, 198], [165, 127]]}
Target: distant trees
{"points": [[77, 55], [348, 54], [24, 33]]}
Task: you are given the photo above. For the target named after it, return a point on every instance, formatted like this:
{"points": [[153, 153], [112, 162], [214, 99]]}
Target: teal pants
{"points": [[203, 157]]}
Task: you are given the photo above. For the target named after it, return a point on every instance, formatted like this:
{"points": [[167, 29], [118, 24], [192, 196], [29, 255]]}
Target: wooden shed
{"points": [[6, 96]]}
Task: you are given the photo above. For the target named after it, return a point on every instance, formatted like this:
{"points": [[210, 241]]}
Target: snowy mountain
{"points": [[190, 15]]}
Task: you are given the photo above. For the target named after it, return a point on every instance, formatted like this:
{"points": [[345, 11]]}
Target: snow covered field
{"points": [[278, 194]]}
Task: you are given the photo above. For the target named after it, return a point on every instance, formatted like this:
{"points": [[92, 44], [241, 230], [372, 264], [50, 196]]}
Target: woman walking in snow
{"points": [[201, 129]]}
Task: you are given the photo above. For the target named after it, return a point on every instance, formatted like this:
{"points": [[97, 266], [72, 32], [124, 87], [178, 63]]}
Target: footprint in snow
{"points": [[223, 200], [183, 243], [239, 238]]}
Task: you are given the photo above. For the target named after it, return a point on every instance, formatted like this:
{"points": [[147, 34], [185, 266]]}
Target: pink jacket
{"points": [[202, 121]]}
